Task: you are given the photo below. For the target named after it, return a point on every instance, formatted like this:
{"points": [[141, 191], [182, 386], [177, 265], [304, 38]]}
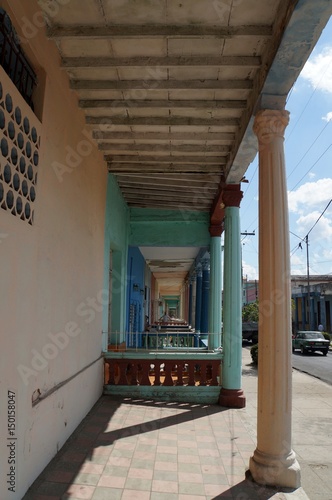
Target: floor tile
{"points": [[102, 493], [164, 486], [112, 482], [79, 491], [135, 495], [133, 483]]}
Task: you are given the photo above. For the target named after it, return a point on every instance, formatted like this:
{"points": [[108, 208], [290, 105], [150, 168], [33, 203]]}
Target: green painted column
{"points": [[215, 288], [231, 394]]}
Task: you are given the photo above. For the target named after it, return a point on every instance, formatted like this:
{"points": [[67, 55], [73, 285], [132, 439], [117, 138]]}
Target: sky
{"points": [[308, 156]]}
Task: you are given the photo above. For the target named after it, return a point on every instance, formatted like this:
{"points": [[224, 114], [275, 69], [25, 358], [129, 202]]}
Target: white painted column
{"points": [[274, 462]]}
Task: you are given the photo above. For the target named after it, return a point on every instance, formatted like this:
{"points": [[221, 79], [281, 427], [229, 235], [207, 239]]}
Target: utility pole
{"points": [[308, 281], [306, 240], [242, 279]]}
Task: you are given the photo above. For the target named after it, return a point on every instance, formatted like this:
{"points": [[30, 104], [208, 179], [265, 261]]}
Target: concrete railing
{"points": [[169, 374]]}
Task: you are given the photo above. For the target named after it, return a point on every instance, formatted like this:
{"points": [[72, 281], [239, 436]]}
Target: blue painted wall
{"points": [[135, 296]]}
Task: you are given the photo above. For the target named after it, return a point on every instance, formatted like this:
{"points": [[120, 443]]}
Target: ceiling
{"points": [[168, 87], [170, 266]]}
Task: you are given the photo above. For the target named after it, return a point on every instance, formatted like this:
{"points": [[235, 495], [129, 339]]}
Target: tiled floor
{"points": [[127, 449]]}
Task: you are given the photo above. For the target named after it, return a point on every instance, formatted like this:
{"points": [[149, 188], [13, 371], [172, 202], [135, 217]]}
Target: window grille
{"points": [[19, 152], [14, 61]]}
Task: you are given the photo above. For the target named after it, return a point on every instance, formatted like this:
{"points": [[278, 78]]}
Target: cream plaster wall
{"points": [[51, 276]]}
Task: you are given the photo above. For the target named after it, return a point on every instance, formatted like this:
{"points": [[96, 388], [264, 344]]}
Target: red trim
{"points": [[232, 195], [232, 398]]}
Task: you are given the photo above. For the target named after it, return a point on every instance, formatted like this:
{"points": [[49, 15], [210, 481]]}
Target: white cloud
{"points": [[322, 230], [327, 117], [310, 195], [311, 175], [318, 70], [249, 271], [299, 261]]}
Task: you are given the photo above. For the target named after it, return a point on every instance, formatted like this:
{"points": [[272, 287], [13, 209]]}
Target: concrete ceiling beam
{"points": [[162, 121], [172, 160], [171, 179], [176, 188], [159, 136], [143, 103], [165, 30], [164, 195], [233, 84], [168, 61], [187, 148], [143, 169]]}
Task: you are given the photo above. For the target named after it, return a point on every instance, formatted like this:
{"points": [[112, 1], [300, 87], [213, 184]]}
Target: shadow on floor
{"points": [[93, 433], [249, 490]]}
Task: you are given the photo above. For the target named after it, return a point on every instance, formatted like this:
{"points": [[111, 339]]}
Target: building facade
{"points": [[125, 134]]}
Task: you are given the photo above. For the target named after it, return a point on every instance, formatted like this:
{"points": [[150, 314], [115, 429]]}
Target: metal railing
{"points": [[161, 340]]}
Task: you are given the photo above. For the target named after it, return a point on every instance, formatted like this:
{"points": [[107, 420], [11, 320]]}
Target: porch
{"points": [[170, 363], [134, 447]]}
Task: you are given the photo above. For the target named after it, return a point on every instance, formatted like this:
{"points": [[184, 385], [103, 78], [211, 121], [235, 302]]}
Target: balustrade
{"points": [[164, 372]]}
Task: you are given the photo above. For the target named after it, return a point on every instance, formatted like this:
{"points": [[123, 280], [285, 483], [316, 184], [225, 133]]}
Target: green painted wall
{"points": [[116, 240], [168, 228]]}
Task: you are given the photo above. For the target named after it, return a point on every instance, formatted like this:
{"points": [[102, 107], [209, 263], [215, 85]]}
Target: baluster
{"points": [[203, 373], [106, 371], [179, 373], [168, 373], [191, 372], [134, 375], [111, 372], [123, 369], [143, 370], [214, 372], [185, 373], [156, 373]]}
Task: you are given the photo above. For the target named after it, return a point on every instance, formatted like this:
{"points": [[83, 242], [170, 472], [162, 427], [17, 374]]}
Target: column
{"points": [[205, 296], [322, 311], [193, 313], [304, 308], [198, 310], [215, 288], [231, 394], [296, 326], [313, 325], [190, 308], [274, 462]]}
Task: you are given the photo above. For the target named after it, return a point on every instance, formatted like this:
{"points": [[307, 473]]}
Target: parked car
{"points": [[309, 342], [250, 331]]}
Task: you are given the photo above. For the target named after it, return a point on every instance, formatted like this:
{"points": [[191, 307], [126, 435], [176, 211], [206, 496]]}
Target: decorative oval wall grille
{"points": [[19, 152]]}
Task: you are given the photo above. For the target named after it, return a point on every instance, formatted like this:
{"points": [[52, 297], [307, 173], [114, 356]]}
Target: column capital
{"points": [[232, 195], [216, 229], [269, 124]]}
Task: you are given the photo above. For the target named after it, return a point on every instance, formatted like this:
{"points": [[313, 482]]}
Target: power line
{"points": [[312, 166], [305, 154], [321, 215]]}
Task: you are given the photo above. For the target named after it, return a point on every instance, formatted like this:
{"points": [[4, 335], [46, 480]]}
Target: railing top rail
{"points": [[163, 354]]}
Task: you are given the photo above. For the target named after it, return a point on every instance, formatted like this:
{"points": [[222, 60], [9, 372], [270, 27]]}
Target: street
{"points": [[314, 364]]}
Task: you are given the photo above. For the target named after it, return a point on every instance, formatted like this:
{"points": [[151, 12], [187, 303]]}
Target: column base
{"points": [[232, 398], [271, 470]]}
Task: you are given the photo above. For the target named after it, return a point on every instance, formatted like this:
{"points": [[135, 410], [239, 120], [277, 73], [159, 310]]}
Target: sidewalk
{"points": [[312, 427], [144, 450]]}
